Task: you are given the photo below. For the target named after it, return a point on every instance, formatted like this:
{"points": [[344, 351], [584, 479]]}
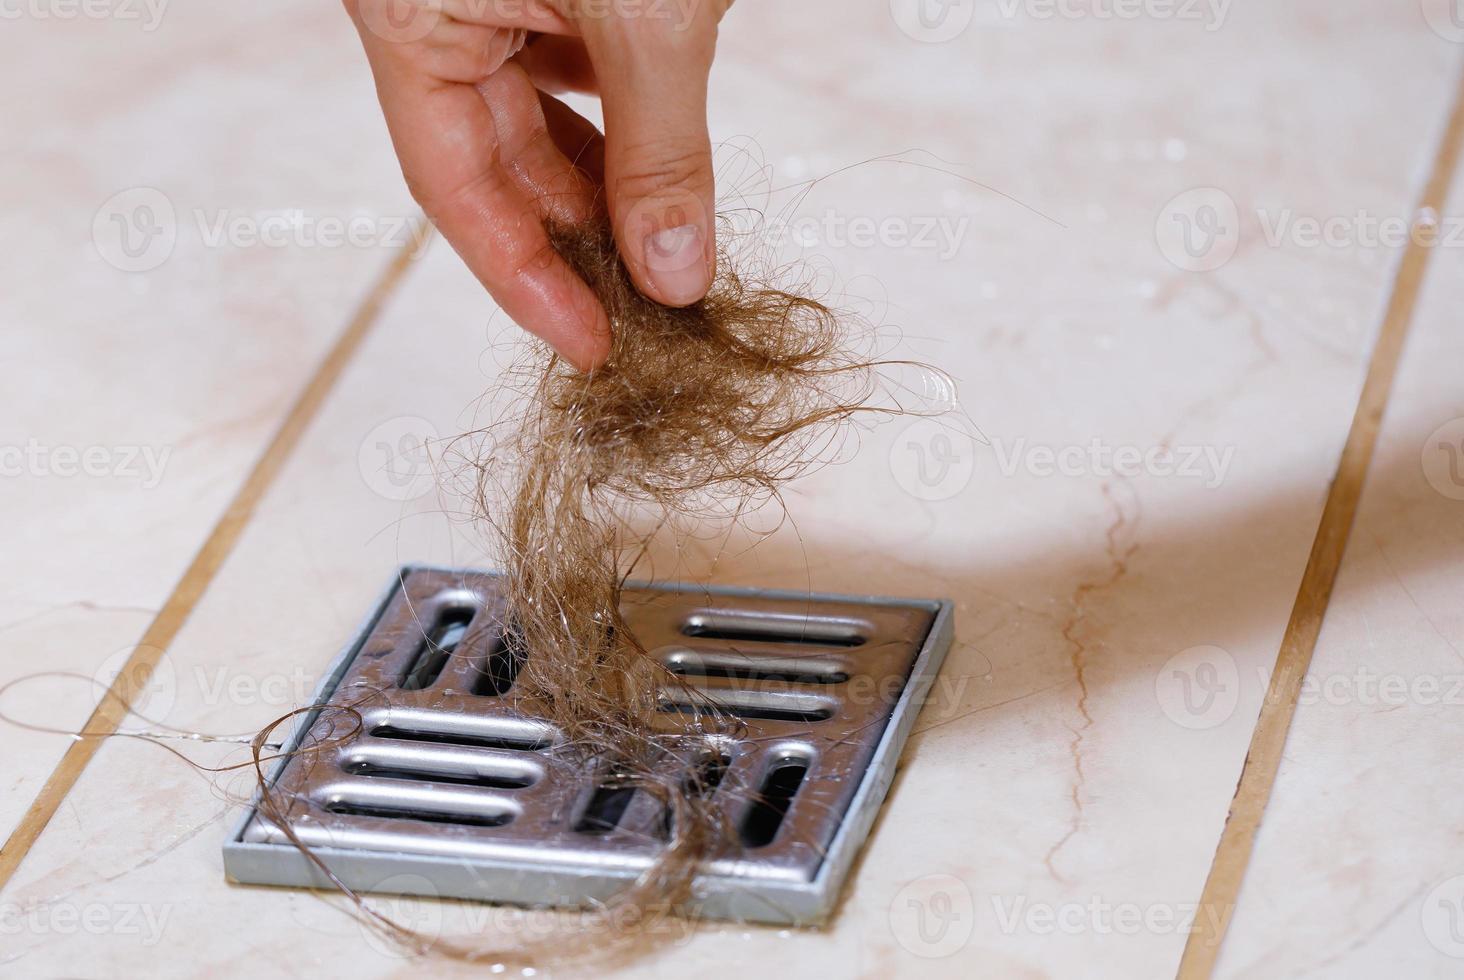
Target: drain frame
{"points": [[775, 897]]}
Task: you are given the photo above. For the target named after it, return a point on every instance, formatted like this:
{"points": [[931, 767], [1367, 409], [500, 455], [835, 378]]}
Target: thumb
{"points": [[658, 156]]}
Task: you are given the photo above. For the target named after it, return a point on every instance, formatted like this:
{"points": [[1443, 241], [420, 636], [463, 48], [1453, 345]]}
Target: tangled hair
{"points": [[701, 412]]}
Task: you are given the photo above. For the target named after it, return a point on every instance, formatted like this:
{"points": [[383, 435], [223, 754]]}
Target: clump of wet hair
{"points": [[700, 413]]}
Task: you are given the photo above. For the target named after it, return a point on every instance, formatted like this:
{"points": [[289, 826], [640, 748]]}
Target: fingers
{"points": [[529, 151], [560, 64], [409, 21], [448, 144], [658, 157]]}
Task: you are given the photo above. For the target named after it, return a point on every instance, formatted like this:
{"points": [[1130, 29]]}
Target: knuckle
{"points": [[654, 169]]}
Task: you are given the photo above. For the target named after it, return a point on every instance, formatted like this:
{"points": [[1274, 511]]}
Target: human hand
{"points": [[489, 153]]}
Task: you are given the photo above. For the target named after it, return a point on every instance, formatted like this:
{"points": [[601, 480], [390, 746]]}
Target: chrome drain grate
{"points": [[454, 784]]}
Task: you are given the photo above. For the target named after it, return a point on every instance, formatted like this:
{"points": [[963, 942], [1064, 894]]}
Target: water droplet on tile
{"points": [[1175, 150], [1147, 288]]}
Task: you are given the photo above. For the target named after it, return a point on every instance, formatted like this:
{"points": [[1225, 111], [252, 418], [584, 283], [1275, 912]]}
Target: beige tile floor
{"points": [[171, 365], [1358, 868], [1065, 791]]}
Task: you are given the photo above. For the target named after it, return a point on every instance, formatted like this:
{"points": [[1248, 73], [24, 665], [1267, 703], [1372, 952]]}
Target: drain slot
{"points": [[521, 743], [435, 804], [464, 766], [701, 782], [741, 666], [772, 802], [460, 728], [438, 644], [709, 774], [606, 807], [757, 705], [501, 667], [408, 813], [775, 628], [487, 780]]}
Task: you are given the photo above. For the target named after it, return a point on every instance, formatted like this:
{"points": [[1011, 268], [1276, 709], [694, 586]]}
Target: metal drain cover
{"points": [[451, 783]]}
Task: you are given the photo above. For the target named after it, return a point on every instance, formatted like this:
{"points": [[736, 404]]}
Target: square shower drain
{"points": [[453, 788]]}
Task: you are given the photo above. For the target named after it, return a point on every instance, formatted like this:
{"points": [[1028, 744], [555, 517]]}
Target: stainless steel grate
{"points": [[453, 782]]}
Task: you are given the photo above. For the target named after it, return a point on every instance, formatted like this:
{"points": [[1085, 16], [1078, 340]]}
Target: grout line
{"points": [[112, 709], [1263, 760]]}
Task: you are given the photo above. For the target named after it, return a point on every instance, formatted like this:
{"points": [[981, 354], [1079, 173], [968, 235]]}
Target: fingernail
{"points": [[676, 263]]}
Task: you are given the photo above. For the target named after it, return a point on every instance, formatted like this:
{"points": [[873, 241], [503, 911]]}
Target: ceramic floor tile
{"points": [[1357, 868], [152, 341], [1060, 783]]}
